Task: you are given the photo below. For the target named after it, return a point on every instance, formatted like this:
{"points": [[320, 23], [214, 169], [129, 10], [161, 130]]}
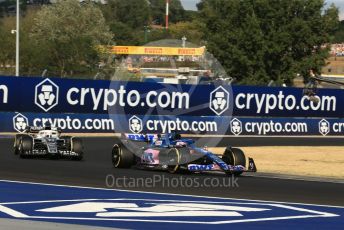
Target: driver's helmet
{"points": [[47, 126], [175, 136], [58, 133]]}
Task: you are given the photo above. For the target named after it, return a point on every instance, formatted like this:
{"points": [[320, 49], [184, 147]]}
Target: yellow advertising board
{"points": [[160, 51]]}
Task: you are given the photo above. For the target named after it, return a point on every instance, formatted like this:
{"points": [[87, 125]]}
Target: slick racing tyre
{"points": [[77, 147], [234, 156], [174, 158], [17, 141], [121, 156], [25, 146], [67, 140]]}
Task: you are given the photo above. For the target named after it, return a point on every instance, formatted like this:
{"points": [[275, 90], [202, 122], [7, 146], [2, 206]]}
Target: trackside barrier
{"points": [[104, 106], [27, 94], [236, 126]]}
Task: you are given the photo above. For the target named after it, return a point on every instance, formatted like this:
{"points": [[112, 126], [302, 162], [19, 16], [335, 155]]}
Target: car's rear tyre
{"points": [[25, 146], [174, 158], [77, 147], [121, 156], [234, 156], [16, 144]]}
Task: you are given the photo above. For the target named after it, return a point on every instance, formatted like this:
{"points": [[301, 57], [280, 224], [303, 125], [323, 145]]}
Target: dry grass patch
{"points": [[297, 160]]}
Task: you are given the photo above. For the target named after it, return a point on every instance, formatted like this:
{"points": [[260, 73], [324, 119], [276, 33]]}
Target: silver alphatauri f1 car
{"points": [[47, 141]]}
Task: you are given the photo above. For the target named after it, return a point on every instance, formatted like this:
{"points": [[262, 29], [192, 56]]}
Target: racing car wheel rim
{"points": [[116, 155], [20, 148], [173, 162]]}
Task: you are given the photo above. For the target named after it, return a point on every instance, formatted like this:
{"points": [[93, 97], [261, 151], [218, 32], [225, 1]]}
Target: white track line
{"points": [[168, 194]]}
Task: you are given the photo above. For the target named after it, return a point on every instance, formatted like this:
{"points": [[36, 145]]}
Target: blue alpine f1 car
{"points": [[170, 152]]}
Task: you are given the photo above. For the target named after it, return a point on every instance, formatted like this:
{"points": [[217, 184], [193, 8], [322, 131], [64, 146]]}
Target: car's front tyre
{"points": [[16, 144], [121, 157], [25, 146], [234, 156]]}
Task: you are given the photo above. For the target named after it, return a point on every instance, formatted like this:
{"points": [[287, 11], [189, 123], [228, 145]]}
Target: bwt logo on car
{"points": [[219, 100], [194, 167], [46, 95], [20, 122], [236, 126], [4, 91], [140, 137], [324, 127], [135, 124]]}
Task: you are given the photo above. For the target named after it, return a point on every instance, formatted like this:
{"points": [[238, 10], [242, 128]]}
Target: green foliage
{"points": [[7, 45], [339, 34], [69, 33], [191, 30], [7, 39], [132, 13], [128, 18], [8, 7], [123, 75], [158, 9], [34, 57], [255, 40], [63, 37], [260, 40], [123, 34]]}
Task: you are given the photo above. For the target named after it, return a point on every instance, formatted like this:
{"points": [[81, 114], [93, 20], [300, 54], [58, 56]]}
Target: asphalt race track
{"points": [[93, 170]]}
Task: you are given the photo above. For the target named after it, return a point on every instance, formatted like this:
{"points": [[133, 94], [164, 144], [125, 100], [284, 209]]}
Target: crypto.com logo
{"points": [[219, 100], [46, 95], [236, 126], [324, 127], [135, 124], [20, 122]]}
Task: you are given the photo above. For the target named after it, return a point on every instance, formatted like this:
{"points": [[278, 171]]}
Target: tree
{"points": [[8, 7], [7, 44], [7, 38], [339, 34], [124, 34], [132, 13], [70, 33], [127, 20], [192, 30], [34, 57], [158, 9], [262, 40]]}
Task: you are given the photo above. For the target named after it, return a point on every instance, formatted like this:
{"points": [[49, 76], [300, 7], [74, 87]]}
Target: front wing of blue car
{"points": [[223, 167]]}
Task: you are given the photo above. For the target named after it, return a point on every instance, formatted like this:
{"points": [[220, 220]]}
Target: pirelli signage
{"points": [[152, 50]]}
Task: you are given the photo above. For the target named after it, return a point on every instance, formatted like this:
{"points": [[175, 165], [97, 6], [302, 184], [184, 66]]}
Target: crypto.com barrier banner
{"points": [[136, 124], [39, 95]]}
